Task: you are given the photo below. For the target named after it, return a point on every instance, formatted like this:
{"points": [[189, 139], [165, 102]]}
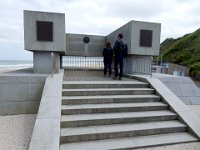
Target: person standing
{"points": [[107, 58], [120, 51]]}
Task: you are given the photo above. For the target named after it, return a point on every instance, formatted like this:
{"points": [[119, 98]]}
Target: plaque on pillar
{"points": [[44, 31], [146, 38]]}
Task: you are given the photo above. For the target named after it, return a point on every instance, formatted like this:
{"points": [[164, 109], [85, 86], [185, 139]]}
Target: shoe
{"points": [[120, 78]]}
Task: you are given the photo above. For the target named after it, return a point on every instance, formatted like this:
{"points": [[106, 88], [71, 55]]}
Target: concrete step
{"points": [[107, 91], [132, 143], [103, 84], [115, 118], [73, 100], [115, 107], [92, 133]]}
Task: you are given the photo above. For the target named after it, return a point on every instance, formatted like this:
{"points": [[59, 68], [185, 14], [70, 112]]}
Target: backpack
{"points": [[124, 48]]}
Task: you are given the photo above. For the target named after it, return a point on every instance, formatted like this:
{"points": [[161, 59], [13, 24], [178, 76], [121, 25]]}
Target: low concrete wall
{"points": [[46, 132], [20, 94], [183, 87]]}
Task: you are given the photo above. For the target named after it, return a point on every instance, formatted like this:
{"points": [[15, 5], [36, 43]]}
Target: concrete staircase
{"points": [[117, 115]]}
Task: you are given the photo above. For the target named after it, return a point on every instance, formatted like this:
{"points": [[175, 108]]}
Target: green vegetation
{"points": [[184, 51]]}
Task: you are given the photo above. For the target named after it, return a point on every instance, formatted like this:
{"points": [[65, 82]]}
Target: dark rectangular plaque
{"points": [[146, 38], [44, 31]]}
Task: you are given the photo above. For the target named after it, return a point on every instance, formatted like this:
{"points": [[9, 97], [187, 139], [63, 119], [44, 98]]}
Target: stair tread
{"points": [[109, 97], [133, 142], [104, 82], [120, 128], [116, 115], [108, 89], [112, 105]]}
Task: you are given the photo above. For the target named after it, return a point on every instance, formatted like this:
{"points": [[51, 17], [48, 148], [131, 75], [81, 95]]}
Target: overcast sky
{"points": [[101, 17]]}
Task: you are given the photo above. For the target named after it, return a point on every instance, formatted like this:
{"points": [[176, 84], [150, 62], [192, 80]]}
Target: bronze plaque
{"points": [[86, 39], [146, 38], [44, 31]]}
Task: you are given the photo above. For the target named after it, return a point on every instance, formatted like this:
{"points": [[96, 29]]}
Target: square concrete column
{"points": [[46, 62], [135, 64]]}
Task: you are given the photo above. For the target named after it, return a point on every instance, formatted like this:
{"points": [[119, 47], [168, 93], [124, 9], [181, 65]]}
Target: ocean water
{"points": [[93, 62], [5, 64]]}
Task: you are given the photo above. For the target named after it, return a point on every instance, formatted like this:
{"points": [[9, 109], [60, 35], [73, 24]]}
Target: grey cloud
{"points": [[97, 17]]}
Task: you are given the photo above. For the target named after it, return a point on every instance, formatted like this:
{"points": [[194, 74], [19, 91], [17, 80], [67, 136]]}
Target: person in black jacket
{"points": [[107, 55], [119, 55]]}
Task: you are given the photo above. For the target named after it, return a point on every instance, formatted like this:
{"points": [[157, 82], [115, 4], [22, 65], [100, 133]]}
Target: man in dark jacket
{"points": [[119, 56]]}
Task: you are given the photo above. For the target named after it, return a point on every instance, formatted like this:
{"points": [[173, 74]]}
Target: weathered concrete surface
{"points": [[30, 37], [131, 32], [46, 133], [75, 45], [46, 62], [137, 64], [20, 93], [183, 87]]}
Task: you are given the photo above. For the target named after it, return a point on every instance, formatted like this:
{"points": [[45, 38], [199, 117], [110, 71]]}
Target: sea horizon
{"points": [[67, 61]]}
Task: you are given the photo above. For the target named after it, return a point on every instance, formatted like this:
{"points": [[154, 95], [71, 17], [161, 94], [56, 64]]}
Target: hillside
{"points": [[184, 51]]}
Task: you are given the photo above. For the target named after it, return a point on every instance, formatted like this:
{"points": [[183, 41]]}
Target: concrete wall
{"points": [[20, 94], [76, 47], [183, 87], [46, 132], [184, 71], [45, 62], [30, 39], [136, 64], [131, 32]]}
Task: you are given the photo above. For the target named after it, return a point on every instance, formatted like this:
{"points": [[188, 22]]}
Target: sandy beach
{"points": [[16, 131]]}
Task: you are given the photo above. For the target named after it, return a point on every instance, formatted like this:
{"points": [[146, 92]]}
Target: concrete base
{"points": [[46, 62], [136, 64]]}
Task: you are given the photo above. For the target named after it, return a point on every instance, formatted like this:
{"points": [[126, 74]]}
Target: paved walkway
{"points": [[73, 75]]}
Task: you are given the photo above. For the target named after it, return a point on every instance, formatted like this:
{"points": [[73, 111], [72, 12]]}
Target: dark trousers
{"points": [[107, 66], [118, 62]]}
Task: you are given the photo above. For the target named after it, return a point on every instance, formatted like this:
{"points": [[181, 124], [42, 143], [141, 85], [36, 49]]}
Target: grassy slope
{"points": [[184, 51]]}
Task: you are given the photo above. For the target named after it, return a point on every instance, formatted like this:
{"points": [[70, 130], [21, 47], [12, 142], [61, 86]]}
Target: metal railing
{"points": [[82, 62]]}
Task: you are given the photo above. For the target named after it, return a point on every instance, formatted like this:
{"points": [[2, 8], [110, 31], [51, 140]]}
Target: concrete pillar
{"points": [[137, 64], [46, 62]]}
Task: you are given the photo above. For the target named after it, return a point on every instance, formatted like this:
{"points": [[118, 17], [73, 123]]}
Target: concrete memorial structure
{"points": [[68, 109], [44, 35]]}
